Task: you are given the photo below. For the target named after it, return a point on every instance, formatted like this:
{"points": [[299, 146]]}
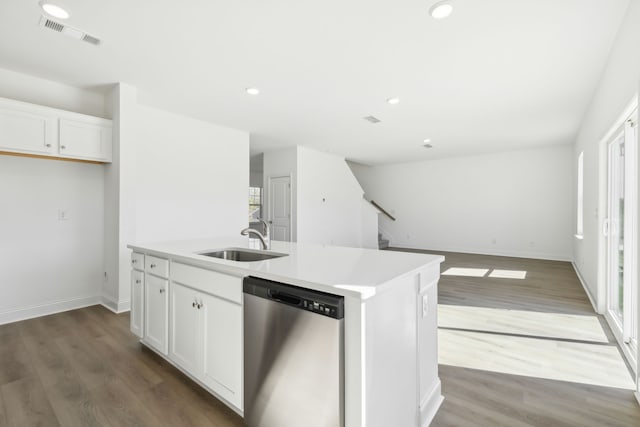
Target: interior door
{"points": [[280, 208]]}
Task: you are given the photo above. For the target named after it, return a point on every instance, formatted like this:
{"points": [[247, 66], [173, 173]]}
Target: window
{"points": [[255, 203], [580, 204]]}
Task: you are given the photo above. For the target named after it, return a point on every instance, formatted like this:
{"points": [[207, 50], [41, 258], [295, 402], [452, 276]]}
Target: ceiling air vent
{"points": [[90, 39], [53, 25], [69, 31], [372, 119]]}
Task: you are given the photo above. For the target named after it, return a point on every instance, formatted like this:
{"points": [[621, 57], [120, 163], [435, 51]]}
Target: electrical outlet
{"points": [[425, 305]]}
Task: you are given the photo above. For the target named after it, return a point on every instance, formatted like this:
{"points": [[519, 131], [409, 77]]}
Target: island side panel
{"points": [[427, 314], [391, 353], [354, 362]]}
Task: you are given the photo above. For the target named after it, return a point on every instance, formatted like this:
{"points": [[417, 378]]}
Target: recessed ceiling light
{"points": [[54, 10], [441, 10], [426, 141], [253, 90], [393, 101]]}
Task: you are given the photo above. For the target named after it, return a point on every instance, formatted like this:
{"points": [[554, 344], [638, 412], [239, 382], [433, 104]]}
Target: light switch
{"points": [[425, 305], [63, 215]]}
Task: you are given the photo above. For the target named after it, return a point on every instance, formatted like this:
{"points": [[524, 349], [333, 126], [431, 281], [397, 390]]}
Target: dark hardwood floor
{"points": [[84, 367]]}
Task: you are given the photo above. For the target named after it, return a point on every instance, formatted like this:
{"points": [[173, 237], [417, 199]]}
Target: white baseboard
{"points": [[585, 287], [429, 406], [484, 251], [637, 395], [115, 306], [24, 313]]}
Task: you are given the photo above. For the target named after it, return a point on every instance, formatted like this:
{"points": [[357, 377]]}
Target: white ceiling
{"points": [[496, 75]]}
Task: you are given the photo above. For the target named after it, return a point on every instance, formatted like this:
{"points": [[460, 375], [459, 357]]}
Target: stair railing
{"points": [[381, 209]]}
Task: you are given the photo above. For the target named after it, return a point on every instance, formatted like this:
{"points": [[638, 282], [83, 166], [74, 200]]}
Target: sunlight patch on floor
{"points": [[584, 363], [551, 325], [508, 274], [468, 272]]}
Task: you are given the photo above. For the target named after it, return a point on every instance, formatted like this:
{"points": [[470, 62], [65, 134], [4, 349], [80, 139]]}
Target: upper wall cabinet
{"points": [[36, 130]]}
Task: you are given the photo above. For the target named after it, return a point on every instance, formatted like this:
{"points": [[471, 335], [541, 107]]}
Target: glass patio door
{"points": [[620, 230]]}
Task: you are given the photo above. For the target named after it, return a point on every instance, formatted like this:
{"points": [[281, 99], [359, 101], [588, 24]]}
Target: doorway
{"points": [[280, 208], [620, 230]]}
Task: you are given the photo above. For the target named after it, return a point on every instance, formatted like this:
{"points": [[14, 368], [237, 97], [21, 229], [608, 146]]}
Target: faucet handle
{"points": [[266, 227]]}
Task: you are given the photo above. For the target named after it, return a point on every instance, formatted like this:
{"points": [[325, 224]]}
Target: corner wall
{"points": [[514, 204], [173, 177], [619, 83]]}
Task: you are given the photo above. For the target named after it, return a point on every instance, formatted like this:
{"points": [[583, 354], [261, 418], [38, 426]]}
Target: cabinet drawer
{"points": [[157, 266], [137, 260], [210, 282]]}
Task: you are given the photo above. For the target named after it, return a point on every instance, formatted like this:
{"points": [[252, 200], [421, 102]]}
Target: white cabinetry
{"points": [[156, 304], [206, 328], [185, 322], [26, 131], [35, 130], [222, 356], [137, 303], [85, 139]]}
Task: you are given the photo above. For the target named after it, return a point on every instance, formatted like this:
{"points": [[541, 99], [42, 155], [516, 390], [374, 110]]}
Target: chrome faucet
{"points": [[265, 239]]}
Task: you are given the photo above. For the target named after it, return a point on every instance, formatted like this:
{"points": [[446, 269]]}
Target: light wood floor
{"points": [[494, 316], [84, 368]]}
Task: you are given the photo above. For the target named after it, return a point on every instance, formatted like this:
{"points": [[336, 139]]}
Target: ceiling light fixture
{"points": [[253, 91], [426, 141], [441, 10], [393, 101], [54, 10]]}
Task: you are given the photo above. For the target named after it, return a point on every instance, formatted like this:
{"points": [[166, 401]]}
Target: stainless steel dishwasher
{"points": [[293, 356]]}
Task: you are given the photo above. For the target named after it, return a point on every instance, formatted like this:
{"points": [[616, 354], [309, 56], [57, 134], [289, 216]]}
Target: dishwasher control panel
{"points": [[305, 299], [320, 307]]}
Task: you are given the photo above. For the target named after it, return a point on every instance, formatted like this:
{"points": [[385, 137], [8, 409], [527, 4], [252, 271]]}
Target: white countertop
{"points": [[343, 271]]}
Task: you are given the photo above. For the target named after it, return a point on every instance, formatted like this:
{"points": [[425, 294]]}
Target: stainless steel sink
{"points": [[242, 255]]}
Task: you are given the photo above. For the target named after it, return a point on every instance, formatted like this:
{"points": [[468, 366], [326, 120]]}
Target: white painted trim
{"points": [[429, 407], [30, 312], [585, 287], [613, 325], [602, 198], [531, 255], [116, 307], [637, 395]]}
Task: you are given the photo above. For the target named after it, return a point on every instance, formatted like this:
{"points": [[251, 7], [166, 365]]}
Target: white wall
{"points": [[49, 265], [46, 261], [619, 83], [173, 177], [330, 207], [521, 200], [192, 178], [279, 163], [23, 87]]}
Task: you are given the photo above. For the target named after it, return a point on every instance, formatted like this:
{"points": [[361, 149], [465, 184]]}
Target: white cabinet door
{"points": [[137, 303], [86, 140], [156, 310], [184, 326], [27, 132], [222, 348]]}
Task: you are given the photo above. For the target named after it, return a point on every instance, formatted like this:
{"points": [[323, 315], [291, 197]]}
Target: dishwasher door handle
{"points": [[284, 297]]}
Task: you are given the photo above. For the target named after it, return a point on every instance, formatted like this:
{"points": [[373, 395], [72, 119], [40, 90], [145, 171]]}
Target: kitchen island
{"points": [[188, 308]]}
